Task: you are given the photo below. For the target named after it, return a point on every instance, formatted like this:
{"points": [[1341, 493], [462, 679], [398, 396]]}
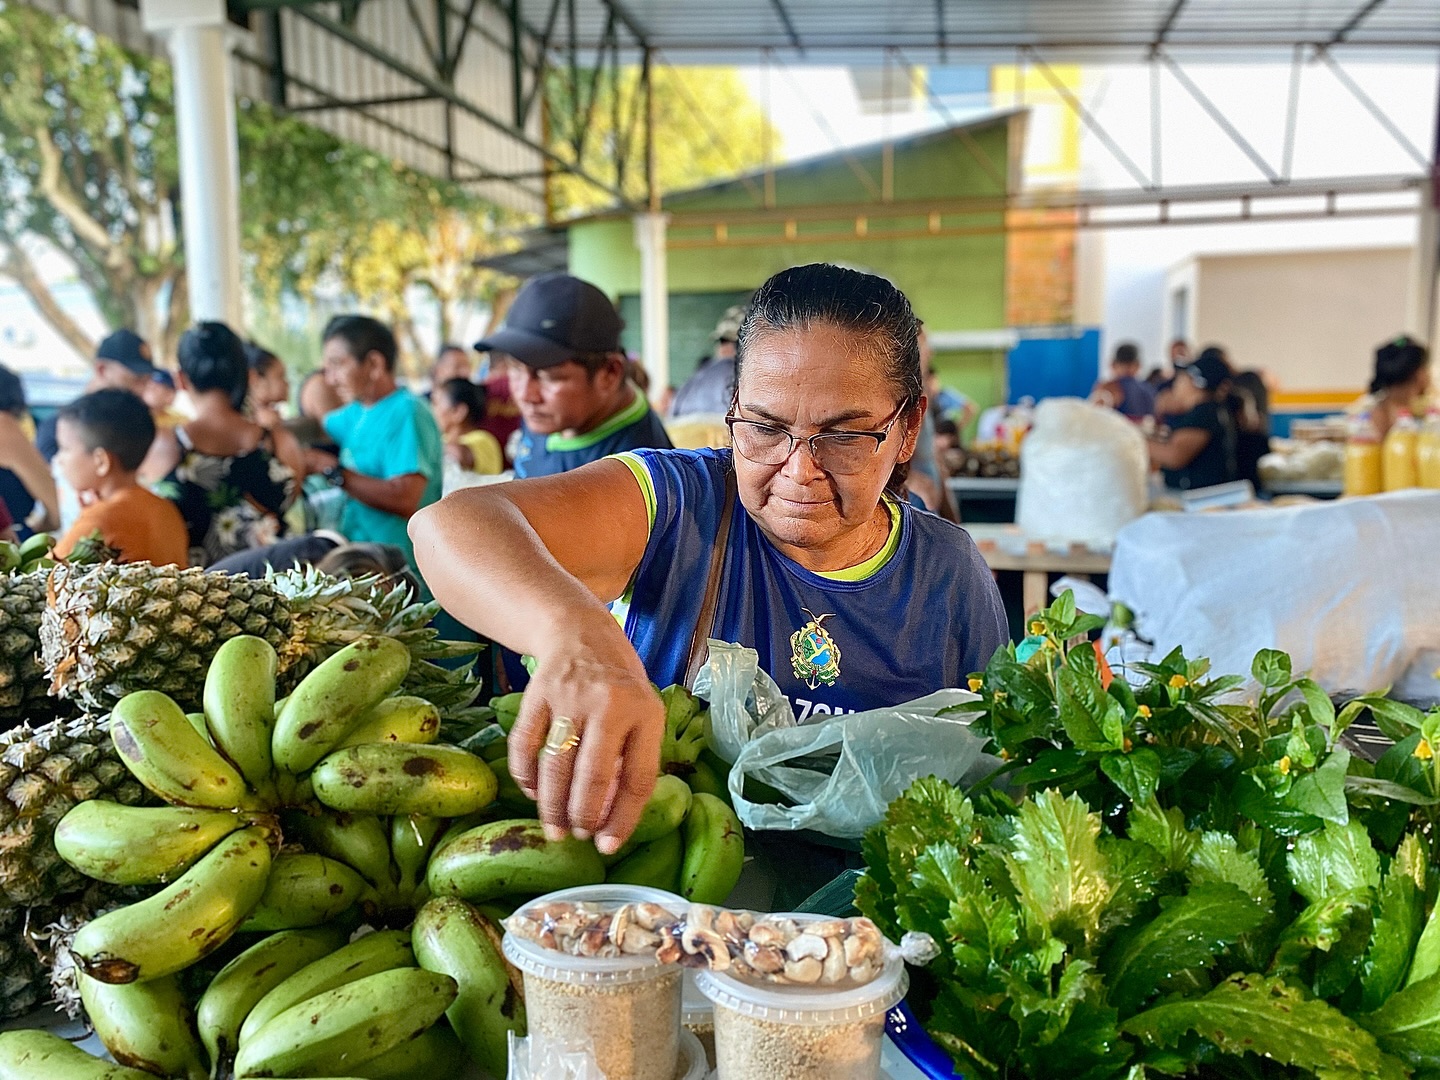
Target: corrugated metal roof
{"points": [[741, 31]]}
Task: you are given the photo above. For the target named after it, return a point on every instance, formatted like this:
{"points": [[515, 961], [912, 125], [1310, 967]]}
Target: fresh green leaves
{"points": [[1060, 875], [1337, 860], [1187, 933], [1250, 1014], [1399, 913], [1408, 1025]]}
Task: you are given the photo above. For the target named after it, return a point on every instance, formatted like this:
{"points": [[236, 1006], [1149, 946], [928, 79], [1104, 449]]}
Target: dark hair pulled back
{"points": [[1396, 363], [863, 304], [259, 358], [212, 357], [464, 392], [12, 392]]}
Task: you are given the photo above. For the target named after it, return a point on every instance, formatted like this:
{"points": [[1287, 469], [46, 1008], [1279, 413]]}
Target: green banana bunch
{"points": [[140, 845], [412, 836], [187, 919], [330, 699], [714, 851], [656, 864], [435, 1053], [39, 1055], [685, 722], [384, 950], [360, 841], [404, 778], [347, 1026], [509, 857], [240, 984], [305, 890], [451, 937], [507, 710], [148, 1025], [166, 754], [239, 700], [33, 554], [400, 719], [710, 775]]}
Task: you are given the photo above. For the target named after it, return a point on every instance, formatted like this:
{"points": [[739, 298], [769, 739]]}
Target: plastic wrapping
{"points": [[535, 1057], [840, 772], [1083, 473]]}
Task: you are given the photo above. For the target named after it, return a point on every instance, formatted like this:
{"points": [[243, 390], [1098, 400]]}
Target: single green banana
{"points": [[239, 702], [507, 710], [436, 1053], [656, 864], [497, 751], [140, 845], [397, 719], [305, 890], [714, 851], [147, 1025], [404, 778], [197, 721], [28, 1054], [186, 920], [329, 700], [383, 950], [685, 724], [665, 812], [704, 777], [453, 938], [348, 1026], [511, 856], [360, 841], [36, 546], [166, 754], [460, 826], [248, 978], [411, 838]]}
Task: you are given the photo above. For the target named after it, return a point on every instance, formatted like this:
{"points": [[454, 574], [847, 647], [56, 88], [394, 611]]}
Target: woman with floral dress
{"points": [[224, 471]]}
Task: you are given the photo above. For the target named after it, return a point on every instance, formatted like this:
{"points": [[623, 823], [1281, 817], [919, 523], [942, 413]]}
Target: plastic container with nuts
{"points": [[803, 1032], [581, 990], [697, 1013]]}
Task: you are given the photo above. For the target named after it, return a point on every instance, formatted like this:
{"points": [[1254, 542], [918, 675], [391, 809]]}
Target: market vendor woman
{"points": [[797, 544]]}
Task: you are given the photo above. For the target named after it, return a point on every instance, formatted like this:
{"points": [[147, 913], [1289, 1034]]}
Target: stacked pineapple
{"points": [[113, 628]]}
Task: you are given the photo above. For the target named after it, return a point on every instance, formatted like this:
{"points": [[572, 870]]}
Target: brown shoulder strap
{"points": [[699, 640]]}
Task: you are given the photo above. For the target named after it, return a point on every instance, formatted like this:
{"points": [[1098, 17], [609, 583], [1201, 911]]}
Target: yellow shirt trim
{"points": [[873, 565], [647, 485]]}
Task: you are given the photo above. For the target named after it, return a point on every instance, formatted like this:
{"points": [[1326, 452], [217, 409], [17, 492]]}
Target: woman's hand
{"points": [[598, 786]]}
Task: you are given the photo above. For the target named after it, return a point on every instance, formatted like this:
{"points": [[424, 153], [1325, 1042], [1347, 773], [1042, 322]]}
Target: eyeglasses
{"points": [[840, 453]]}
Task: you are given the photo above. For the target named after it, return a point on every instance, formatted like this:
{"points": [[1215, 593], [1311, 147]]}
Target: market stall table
{"points": [[1318, 489], [1005, 547]]}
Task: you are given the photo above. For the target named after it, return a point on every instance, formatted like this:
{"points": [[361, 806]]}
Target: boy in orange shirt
{"points": [[103, 438]]}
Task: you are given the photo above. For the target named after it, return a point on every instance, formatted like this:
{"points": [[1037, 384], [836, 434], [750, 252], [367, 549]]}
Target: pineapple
{"points": [[23, 686], [35, 962], [43, 773], [122, 627], [23, 979]]}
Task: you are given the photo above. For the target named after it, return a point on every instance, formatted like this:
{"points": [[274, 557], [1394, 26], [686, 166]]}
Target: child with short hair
{"points": [[103, 438]]}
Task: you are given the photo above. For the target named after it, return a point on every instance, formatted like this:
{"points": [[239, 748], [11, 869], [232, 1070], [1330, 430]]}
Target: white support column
{"points": [[198, 36], [1424, 269], [654, 299]]}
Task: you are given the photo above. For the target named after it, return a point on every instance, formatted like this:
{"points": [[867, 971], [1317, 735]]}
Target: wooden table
{"points": [[1004, 547]]}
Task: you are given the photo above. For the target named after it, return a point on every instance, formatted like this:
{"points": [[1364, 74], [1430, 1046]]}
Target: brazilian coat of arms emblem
{"points": [[814, 654]]}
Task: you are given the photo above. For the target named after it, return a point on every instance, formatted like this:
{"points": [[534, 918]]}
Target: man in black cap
{"points": [[122, 362], [1197, 450], [568, 378]]}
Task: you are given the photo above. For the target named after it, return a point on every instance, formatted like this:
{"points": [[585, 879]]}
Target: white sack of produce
{"points": [[840, 771], [1083, 473], [1347, 588]]}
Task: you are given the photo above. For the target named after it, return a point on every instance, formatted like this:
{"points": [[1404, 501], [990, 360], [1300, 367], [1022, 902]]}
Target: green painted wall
{"points": [[954, 282]]}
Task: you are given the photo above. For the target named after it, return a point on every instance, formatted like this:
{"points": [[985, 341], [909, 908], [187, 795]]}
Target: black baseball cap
{"points": [[553, 318], [1208, 370], [129, 349]]}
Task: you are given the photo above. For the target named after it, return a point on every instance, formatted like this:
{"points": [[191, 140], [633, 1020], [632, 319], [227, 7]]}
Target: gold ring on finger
{"points": [[562, 737]]}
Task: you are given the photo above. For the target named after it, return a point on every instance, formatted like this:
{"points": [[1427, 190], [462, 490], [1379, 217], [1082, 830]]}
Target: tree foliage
{"points": [[707, 127]]}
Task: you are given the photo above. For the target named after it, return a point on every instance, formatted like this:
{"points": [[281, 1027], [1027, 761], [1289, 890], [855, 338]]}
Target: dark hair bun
{"points": [[1397, 362], [212, 357]]}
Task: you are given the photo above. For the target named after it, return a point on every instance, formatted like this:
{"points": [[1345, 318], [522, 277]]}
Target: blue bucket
{"points": [[912, 1040]]}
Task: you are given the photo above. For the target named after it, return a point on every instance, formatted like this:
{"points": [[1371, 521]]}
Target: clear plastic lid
{"points": [[696, 1010], [809, 1005], [533, 959], [693, 1064]]}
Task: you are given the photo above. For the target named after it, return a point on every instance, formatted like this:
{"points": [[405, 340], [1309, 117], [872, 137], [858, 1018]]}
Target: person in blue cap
{"points": [[568, 377], [122, 362]]}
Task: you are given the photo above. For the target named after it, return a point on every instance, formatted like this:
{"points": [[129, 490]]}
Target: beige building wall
{"points": [[1311, 319]]}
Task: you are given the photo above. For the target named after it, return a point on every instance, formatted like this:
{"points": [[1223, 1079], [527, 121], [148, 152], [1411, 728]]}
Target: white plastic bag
{"points": [[842, 771], [536, 1058], [1083, 473], [1347, 588]]}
